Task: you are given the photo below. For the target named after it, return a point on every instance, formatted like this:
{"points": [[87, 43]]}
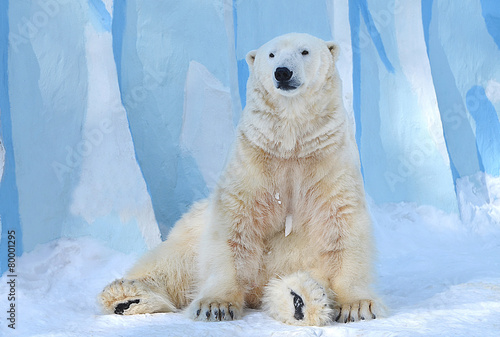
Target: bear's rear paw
{"points": [[120, 308], [358, 310], [120, 297], [131, 297], [298, 299], [211, 310]]}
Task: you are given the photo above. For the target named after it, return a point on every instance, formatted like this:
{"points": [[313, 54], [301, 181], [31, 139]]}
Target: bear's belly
{"points": [[287, 254]]}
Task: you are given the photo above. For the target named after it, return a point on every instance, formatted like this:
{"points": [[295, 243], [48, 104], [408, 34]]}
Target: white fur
{"points": [[294, 154], [317, 299]]}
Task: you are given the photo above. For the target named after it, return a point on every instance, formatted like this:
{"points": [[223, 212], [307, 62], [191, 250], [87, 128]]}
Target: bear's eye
{"points": [[271, 55], [305, 52]]}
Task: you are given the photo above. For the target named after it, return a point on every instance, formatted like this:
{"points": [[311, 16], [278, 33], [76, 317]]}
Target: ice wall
{"points": [[116, 115], [154, 43], [399, 135], [9, 204], [68, 139]]}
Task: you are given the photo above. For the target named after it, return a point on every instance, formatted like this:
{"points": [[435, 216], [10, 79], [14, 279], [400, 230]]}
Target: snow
{"points": [[479, 200], [142, 97], [438, 277]]}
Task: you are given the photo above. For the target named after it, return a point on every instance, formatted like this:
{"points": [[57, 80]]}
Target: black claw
{"points": [[231, 313], [198, 312], [362, 318], [216, 314], [298, 303], [208, 314], [222, 314], [373, 316], [352, 319], [120, 308]]}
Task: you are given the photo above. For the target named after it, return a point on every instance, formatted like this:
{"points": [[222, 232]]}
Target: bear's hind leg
{"points": [[298, 299], [163, 279], [131, 297]]}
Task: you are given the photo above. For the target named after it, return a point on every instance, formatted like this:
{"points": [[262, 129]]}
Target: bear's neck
{"points": [[290, 127]]}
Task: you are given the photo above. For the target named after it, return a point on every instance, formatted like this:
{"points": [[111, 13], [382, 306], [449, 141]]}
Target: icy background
{"points": [[116, 115]]}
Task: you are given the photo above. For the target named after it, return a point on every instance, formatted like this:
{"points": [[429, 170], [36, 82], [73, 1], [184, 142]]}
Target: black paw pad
{"points": [[298, 303], [120, 308]]}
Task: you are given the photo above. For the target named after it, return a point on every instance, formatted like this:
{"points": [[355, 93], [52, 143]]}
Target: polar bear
{"points": [[287, 227]]}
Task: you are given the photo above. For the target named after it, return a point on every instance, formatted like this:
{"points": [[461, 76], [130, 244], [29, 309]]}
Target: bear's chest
{"points": [[289, 197]]}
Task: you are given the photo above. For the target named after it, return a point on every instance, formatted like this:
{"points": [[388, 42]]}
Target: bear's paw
{"points": [[358, 310], [298, 299], [131, 297], [212, 310]]}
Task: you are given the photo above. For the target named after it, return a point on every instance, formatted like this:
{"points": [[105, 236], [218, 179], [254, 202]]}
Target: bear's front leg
{"points": [[352, 281], [230, 256], [221, 295]]}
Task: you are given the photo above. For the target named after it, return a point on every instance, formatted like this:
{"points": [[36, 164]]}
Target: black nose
{"points": [[283, 74]]}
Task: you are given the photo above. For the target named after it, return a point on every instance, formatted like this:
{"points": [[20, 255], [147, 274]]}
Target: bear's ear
{"points": [[334, 50], [251, 58]]}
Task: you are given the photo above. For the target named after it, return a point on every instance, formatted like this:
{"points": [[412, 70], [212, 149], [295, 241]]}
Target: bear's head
{"points": [[292, 64]]}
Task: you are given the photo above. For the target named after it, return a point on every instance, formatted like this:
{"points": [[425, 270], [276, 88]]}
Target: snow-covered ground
{"points": [[437, 276]]}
